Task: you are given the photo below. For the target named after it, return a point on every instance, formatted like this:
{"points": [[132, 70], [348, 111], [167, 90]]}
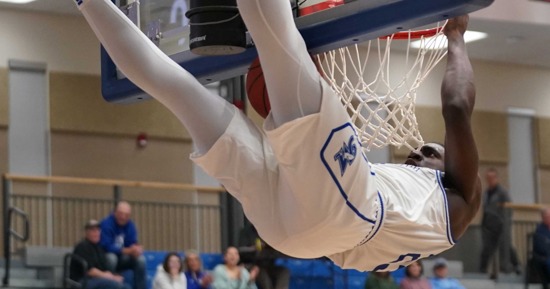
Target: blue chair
{"points": [[297, 283], [398, 275], [153, 259], [322, 268], [299, 267], [150, 277], [309, 273], [211, 260], [349, 279], [128, 276], [357, 282]]}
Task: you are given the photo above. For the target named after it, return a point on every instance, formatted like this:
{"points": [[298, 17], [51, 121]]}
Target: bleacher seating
{"points": [[350, 279], [317, 274], [322, 273], [314, 274], [153, 259], [47, 260], [210, 260]]}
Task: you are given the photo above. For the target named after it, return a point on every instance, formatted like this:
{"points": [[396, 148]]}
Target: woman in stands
{"points": [[170, 274], [232, 276], [414, 277], [196, 277]]}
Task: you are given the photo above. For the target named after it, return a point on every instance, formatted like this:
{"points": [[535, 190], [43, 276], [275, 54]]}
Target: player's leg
{"points": [[230, 147], [205, 115], [292, 79], [489, 247]]}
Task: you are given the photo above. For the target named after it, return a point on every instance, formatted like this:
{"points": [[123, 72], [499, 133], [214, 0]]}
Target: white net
{"points": [[382, 108]]}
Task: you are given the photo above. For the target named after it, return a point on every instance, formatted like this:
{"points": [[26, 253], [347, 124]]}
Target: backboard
{"points": [[352, 22]]}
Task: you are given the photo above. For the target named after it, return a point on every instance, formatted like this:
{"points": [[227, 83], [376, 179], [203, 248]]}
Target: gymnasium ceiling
{"points": [[519, 30]]}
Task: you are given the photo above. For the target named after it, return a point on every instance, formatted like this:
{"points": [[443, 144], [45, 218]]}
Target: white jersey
{"points": [[415, 220], [306, 185], [310, 192]]}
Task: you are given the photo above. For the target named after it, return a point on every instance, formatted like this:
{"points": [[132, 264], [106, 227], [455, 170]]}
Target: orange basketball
{"points": [[256, 89]]}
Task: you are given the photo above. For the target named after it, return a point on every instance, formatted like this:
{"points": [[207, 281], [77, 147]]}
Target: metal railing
{"points": [[520, 230], [58, 213], [527, 225], [81, 262], [161, 226], [10, 232], [57, 220]]}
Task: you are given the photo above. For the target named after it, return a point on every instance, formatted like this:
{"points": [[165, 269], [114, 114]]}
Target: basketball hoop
{"points": [[415, 34], [382, 109], [306, 7]]}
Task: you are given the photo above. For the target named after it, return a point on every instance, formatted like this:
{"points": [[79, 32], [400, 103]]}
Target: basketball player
{"points": [[303, 180]]}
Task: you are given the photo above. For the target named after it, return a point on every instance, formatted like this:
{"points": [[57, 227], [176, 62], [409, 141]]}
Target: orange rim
{"points": [[414, 34]]}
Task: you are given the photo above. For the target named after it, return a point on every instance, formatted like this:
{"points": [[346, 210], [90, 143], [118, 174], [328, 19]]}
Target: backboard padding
{"points": [[355, 21]]}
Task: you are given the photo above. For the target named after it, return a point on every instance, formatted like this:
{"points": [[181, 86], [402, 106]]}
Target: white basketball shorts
{"points": [[306, 185]]}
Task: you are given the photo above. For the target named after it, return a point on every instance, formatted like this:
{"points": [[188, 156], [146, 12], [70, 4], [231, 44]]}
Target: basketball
{"points": [[257, 90]]}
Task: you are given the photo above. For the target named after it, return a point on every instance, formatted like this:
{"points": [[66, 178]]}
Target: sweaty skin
{"points": [[459, 158]]}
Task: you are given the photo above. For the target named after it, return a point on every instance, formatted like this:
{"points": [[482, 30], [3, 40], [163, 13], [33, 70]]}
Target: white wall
{"points": [[524, 11], [499, 86], [64, 42]]}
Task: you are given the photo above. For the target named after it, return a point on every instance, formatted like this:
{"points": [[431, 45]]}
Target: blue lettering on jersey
{"points": [[337, 158], [346, 155], [401, 261]]}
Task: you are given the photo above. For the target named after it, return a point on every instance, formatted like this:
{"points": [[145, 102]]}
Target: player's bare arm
{"points": [[461, 156]]}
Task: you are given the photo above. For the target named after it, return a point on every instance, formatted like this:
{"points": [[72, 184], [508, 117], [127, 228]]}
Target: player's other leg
{"points": [[205, 115]]}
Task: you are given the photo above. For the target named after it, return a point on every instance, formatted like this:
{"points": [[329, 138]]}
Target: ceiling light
{"points": [[469, 36], [17, 1]]}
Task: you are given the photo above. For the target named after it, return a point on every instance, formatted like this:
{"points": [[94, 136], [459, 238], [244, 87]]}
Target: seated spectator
{"points": [[414, 278], [232, 276], [255, 252], [196, 278], [170, 275], [95, 275], [119, 239], [440, 279], [541, 248], [380, 280]]}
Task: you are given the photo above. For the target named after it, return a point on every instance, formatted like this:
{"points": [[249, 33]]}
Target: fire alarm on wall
{"points": [[141, 140]]}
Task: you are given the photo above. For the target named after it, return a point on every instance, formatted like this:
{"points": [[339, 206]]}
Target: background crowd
{"points": [[111, 246]]}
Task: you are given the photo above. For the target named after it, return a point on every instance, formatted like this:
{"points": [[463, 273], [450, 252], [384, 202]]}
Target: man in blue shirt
{"points": [[541, 248], [440, 280], [119, 239]]}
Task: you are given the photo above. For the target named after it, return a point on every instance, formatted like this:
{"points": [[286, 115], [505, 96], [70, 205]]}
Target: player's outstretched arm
{"points": [[458, 97]]}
